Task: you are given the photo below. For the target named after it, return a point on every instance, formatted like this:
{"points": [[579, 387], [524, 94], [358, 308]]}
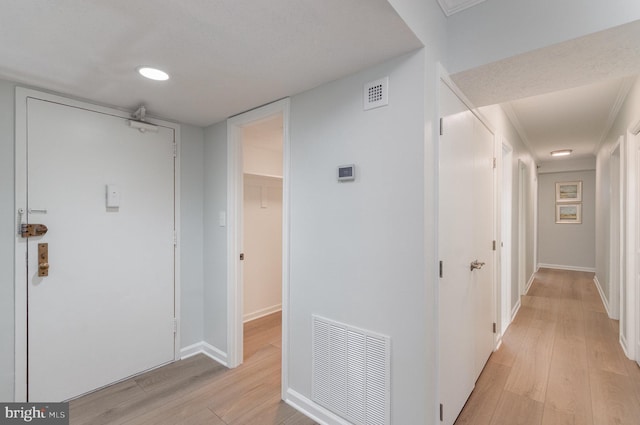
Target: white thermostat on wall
{"points": [[346, 172]]}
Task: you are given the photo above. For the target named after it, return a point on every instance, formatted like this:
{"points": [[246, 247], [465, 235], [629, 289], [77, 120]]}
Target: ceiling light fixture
{"points": [[153, 73], [561, 152]]}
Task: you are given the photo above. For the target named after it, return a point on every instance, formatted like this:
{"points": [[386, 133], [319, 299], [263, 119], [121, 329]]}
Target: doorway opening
{"points": [[258, 230], [262, 234], [505, 235]]}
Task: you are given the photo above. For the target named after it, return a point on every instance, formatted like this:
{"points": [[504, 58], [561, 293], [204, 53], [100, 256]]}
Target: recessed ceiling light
{"points": [[562, 152], [153, 73]]}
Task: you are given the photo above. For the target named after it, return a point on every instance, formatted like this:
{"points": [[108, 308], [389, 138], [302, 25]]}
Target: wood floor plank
{"points": [[589, 381], [192, 391], [484, 399], [555, 417], [614, 399], [568, 387], [530, 371], [514, 409]]}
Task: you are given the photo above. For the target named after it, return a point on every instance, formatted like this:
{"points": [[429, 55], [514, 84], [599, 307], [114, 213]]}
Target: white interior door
{"points": [[465, 233], [455, 250], [106, 309], [483, 234]]}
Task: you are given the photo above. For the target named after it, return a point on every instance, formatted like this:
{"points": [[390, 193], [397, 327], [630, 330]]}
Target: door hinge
{"points": [[175, 149], [441, 126], [494, 327], [175, 325], [441, 272], [494, 245], [494, 162], [175, 238], [441, 412]]}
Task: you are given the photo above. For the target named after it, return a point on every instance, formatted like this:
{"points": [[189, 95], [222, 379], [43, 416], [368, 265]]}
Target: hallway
{"points": [[560, 362]]}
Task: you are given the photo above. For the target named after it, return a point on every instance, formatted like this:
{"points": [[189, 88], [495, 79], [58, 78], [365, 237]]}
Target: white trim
{"points": [[529, 283], [20, 247], [565, 267], [505, 229], [234, 230], [522, 227], [625, 346], [261, 313], [312, 409], [516, 309], [616, 235], [446, 78], [206, 349], [460, 6], [602, 297]]}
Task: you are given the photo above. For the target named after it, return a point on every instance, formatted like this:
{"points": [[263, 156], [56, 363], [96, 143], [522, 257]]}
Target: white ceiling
{"points": [[562, 96], [577, 118], [224, 56]]}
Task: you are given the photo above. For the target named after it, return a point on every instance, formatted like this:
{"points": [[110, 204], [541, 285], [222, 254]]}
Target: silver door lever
{"points": [[475, 264]]}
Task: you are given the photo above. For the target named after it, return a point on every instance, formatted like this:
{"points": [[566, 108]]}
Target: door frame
{"points": [[506, 231], [631, 152], [616, 230], [20, 246], [234, 229], [522, 228]]}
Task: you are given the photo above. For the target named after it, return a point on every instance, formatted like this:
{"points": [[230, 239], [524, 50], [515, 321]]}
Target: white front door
{"points": [[106, 309], [465, 236]]}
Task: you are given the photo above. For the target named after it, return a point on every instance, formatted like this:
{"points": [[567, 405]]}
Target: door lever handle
{"points": [[475, 264]]}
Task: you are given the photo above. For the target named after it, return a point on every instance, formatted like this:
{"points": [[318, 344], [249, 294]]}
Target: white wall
{"points": [[498, 29], [262, 267], [261, 161], [215, 236], [191, 239], [7, 232], [358, 248], [505, 130], [629, 115], [570, 246]]}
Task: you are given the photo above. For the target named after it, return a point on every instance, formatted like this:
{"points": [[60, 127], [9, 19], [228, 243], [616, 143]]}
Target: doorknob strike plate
{"points": [[43, 259]]}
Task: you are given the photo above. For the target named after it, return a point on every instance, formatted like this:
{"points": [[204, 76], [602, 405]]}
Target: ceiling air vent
{"points": [[376, 93]]}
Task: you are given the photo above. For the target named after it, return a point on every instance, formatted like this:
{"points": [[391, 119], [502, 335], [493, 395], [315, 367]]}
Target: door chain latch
{"points": [[31, 230]]}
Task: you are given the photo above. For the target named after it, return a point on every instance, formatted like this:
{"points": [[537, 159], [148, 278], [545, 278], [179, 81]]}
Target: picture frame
{"points": [[568, 213], [569, 191]]}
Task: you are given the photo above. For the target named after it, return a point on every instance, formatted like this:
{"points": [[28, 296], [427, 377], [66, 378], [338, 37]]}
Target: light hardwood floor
{"points": [[198, 390], [560, 362]]}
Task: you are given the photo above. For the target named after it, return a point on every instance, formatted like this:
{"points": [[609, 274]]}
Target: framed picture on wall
{"points": [[569, 191], [568, 213]]}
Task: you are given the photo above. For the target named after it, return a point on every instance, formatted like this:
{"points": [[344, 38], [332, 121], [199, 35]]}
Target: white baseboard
{"points": [[312, 409], [529, 283], [515, 310], [625, 346], [563, 267], [261, 313], [206, 349], [602, 297]]}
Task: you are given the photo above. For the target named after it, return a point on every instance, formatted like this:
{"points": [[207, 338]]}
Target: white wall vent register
{"points": [[351, 372], [376, 93]]}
